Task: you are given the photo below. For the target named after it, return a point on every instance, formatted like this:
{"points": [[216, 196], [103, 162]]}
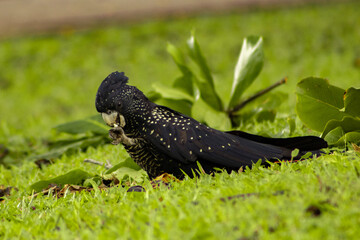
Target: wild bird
{"points": [[161, 140]]}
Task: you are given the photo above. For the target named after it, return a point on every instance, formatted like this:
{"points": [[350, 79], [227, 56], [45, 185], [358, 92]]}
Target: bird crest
{"points": [[109, 88], [116, 78]]}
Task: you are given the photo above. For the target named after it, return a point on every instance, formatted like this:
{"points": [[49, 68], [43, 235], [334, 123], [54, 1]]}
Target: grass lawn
{"points": [[49, 80]]}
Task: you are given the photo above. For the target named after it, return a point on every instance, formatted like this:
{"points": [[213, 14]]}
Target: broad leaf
{"points": [[199, 109], [75, 177], [218, 120], [91, 124], [199, 59], [172, 93], [128, 162], [265, 115], [202, 112], [124, 173], [179, 59], [319, 102], [186, 81], [352, 102], [336, 137], [185, 84], [205, 81], [347, 124], [181, 106], [69, 146], [247, 68], [350, 137], [127, 168]]}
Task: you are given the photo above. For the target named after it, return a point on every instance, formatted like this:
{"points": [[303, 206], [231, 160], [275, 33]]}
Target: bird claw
{"points": [[117, 134]]}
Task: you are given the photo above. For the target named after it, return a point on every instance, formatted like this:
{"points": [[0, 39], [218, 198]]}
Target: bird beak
{"points": [[114, 119]]}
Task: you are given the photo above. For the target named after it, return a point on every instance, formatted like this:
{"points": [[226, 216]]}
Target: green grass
{"points": [[193, 207], [48, 80]]}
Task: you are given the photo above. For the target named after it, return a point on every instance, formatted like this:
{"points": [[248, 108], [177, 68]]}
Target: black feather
{"points": [[307, 143], [106, 92]]}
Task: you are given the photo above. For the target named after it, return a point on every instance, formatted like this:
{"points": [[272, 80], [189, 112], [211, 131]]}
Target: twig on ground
{"points": [[106, 165]]}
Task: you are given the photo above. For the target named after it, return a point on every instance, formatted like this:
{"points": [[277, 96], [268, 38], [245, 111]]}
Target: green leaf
{"points": [[127, 168], [199, 109], [292, 125], [129, 163], [153, 96], [172, 93], [93, 182], [125, 172], [75, 177], [320, 89], [90, 124], [265, 115], [179, 60], [347, 124], [197, 56], [294, 153], [186, 81], [247, 68], [69, 146], [181, 106], [204, 113], [334, 135], [352, 102], [350, 137], [185, 84], [205, 81], [257, 114], [319, 102]]}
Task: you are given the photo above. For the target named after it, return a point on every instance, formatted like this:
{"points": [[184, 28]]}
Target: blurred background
{"points": [[54, 54]]}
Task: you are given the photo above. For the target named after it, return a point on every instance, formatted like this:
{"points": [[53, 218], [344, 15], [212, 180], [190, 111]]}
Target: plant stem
{"points": [[232, 112]]}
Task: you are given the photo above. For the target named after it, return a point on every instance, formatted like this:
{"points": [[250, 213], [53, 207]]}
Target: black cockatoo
{"points": [[161, 140]]}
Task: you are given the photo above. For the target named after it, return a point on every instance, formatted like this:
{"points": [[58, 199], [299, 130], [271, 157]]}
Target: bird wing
{"points": [[186, 140]]}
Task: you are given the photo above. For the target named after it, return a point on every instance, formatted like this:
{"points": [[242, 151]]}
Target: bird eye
{"points": [[108, 112]]}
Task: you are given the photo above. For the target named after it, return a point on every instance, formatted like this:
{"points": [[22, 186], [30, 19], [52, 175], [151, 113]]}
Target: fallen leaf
{"points": [[163, 179], [5, 191], [43, 162], [112, 181], [315, 211], [167, 178], [356, 147], [59, 192]]}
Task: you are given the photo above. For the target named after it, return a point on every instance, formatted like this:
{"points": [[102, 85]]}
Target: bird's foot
{"points": [[117, 134]]}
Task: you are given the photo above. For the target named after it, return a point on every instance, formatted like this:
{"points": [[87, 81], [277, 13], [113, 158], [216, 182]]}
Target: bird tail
{"points": [[304, 144]]}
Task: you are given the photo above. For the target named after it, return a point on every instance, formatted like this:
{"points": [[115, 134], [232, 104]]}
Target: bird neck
{"points": [[137, 119]]}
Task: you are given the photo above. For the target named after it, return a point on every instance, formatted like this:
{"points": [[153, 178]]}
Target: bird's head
{"points": [[116, 101]]}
